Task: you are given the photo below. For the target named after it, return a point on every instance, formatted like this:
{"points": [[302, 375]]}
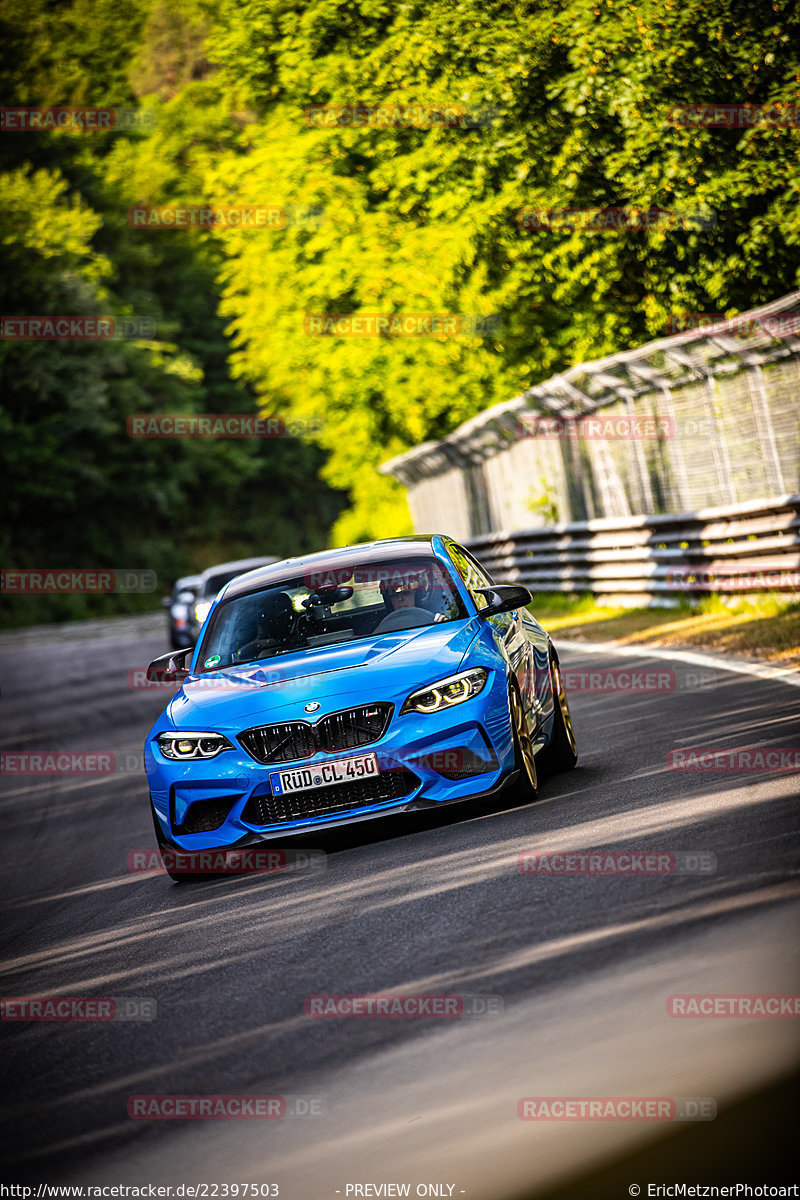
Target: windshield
{"points": [[324, 608]]}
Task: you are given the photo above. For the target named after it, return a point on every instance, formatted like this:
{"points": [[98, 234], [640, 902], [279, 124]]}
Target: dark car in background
{"points": [[210, 582], [179, 607]]}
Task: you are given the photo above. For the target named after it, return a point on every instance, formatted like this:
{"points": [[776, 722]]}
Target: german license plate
{"points": [[325, 774]]}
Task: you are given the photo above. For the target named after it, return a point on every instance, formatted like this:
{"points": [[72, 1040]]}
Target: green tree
{"points": [[78, 490], [427, 219]]}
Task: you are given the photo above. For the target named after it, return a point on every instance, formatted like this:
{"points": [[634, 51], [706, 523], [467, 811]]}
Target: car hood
{"points": [[277, 689]]}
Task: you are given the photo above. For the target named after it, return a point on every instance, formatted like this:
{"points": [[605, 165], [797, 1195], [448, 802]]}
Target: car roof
{"points": [[332, 560], [186, 581]]}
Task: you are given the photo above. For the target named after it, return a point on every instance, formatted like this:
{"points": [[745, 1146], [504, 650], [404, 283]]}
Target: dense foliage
{"points": [[574, 105], [77, 490]]}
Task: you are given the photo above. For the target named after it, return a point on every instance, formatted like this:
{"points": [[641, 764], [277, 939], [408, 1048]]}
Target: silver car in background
{"points": [[179, 607], [210, 582]]}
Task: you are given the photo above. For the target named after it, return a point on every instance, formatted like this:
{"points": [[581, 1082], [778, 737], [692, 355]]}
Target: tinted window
{"points": [[471, 572]]}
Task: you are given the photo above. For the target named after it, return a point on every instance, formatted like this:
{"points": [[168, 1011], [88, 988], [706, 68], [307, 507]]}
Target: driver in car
{"points": [[404, 613]]}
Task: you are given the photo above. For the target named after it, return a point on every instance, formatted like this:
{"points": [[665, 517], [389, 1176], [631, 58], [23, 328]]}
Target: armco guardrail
{"points": [[733, 549]]}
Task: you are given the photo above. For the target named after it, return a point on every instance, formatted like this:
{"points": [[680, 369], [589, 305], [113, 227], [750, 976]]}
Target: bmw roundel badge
{"points": [[312, 706]]}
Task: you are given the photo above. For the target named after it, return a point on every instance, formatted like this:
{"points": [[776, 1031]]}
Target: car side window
{"points": [[472, 574]]}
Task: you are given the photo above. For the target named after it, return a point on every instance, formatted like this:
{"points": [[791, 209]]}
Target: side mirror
{"points": [[166, 602], [503, 597], [169, 668]]}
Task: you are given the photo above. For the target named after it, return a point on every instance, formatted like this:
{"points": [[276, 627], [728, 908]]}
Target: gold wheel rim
{"points": [[523, 739], [563, 704]]}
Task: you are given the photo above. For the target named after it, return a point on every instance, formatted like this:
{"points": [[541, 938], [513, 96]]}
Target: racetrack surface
{"points": [[432, 903]]}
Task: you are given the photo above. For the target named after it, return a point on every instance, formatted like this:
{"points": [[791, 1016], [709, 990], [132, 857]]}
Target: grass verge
{"points": [[762, 626]]}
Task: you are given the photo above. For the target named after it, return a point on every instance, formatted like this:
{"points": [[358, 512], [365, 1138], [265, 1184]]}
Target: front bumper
{"points": [[459, 754]]}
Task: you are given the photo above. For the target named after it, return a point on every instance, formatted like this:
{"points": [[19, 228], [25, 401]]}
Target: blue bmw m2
{"points": [[348, 685]]}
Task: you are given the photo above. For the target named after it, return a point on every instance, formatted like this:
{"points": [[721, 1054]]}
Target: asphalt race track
{"points": [[582, 966]]}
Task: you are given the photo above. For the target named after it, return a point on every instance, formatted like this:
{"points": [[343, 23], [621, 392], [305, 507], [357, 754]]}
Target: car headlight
{"points": [[184, 746], [447, 692], [202, 610]]}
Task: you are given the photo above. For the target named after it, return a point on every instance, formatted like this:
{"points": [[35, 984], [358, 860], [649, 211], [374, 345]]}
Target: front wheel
{"points": [[562, 753], [524, 759]]}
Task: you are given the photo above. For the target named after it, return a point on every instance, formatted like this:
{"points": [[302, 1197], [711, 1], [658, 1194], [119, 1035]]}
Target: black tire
{"points": [[524, 759], [562, 753]]}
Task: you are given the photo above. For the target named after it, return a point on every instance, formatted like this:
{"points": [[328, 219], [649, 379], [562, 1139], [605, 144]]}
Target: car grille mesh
{"points": [[295, 740], [280, 743], [266, 809]]}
